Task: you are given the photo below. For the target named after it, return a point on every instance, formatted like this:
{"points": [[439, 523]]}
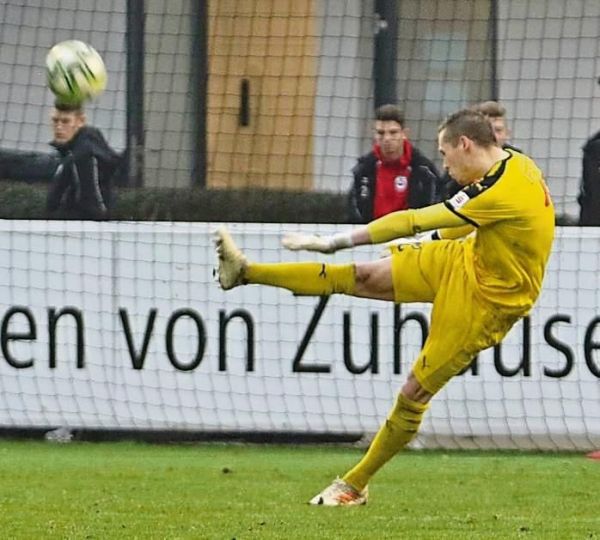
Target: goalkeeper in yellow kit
{"points": [[479, 285]]}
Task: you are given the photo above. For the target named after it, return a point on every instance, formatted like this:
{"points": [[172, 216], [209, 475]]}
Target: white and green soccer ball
{"points": [[76, 72]]}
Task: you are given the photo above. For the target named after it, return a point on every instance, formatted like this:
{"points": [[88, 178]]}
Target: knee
{"points": [[362, 273], [368, 277]]}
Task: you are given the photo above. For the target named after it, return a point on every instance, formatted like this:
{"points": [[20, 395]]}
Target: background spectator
{"points": [[496, 114], [81, 187], [394, 175], [589, 196]]}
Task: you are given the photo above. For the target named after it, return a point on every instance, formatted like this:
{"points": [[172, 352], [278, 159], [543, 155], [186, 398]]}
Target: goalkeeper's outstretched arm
{"points": [[395, 225]]}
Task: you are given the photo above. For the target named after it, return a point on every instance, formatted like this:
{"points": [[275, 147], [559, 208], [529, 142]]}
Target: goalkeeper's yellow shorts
{"points": [[462, 324]]}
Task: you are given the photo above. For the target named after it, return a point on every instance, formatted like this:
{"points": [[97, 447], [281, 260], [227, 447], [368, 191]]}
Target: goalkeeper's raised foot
{"points": [[339, 493], [231, 261]]}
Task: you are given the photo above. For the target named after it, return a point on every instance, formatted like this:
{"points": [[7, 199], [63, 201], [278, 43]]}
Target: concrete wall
{"points": [[344, 102], [168, 99]]}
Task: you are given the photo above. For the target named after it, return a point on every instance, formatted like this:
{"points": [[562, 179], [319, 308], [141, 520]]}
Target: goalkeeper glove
{"points": [[312, 242]]}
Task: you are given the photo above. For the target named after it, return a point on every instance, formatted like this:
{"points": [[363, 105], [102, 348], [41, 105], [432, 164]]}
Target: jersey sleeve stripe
{"points": [[461, 216]]}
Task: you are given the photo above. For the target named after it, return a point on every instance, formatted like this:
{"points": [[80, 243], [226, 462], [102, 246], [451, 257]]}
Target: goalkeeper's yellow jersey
{"points": [[512, 213]]}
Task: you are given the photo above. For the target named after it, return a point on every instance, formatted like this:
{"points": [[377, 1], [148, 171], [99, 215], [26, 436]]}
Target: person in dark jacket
{"points": [[394, 175], [589, 194], [81, 187]]}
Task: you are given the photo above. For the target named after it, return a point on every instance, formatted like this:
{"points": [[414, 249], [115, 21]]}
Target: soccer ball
{"points": [[75, 71]]}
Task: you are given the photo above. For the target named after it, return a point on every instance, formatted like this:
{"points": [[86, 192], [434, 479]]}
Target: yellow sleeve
{"points": [[410, 222], [455, 232]]}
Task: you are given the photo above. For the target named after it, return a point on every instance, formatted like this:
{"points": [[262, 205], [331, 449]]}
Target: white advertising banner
{"points": [[121, 325]]}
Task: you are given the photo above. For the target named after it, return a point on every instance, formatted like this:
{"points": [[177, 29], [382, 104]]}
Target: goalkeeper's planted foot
{"points": [[232, 262], [339, 493]]}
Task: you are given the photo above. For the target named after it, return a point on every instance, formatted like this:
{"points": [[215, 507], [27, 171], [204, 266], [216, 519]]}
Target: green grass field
{"points": [[128, 490]]}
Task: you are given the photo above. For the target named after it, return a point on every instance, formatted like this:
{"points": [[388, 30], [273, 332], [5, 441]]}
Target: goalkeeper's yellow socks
{"points": [[309, 278], [398, 430]]}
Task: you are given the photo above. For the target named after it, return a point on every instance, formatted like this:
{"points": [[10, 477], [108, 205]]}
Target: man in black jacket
{"points": [[81, 187], [589, 195], [394, 175]]}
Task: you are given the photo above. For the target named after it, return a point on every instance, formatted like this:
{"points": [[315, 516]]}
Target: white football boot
{"points": [[340, 494], [232, 262]]}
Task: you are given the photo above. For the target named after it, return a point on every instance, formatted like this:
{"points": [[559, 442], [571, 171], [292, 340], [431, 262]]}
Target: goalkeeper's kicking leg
{"points": [[369, 280]]}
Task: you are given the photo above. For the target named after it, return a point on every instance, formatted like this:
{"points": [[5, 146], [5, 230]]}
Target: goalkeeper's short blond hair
{"points": [[471, 124]]}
